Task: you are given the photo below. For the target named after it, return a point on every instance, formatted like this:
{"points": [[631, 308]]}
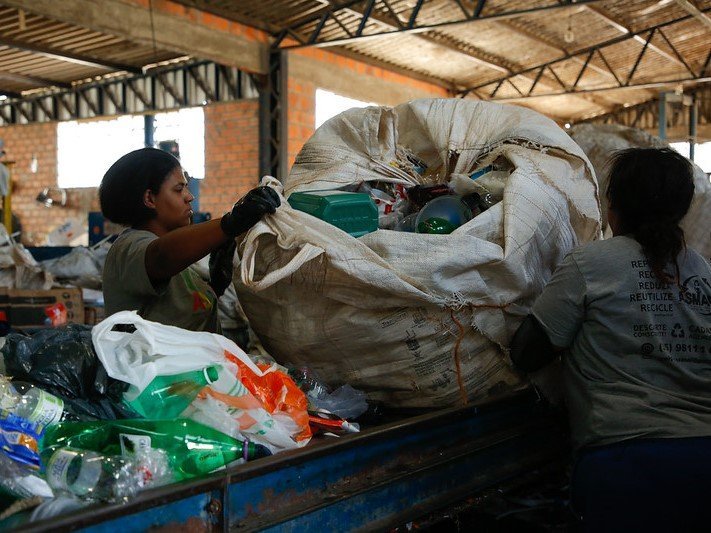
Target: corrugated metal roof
{"points": [[459, 56]]}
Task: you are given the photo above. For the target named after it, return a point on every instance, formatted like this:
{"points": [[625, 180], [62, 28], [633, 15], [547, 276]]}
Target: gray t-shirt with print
{"points": [[185, 301], [639, 361]]}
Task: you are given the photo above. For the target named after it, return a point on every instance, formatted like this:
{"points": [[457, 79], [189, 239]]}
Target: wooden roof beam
{"points": [[693, 10], [164, 30], [62, 55], [33, 80]]}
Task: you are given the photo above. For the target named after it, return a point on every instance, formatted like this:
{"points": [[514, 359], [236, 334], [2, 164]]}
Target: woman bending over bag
{"points": [[148, 268], [634, 314]]}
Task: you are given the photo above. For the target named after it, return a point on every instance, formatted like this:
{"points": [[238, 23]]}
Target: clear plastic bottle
{"points": [[38, 406], [88, 474]]}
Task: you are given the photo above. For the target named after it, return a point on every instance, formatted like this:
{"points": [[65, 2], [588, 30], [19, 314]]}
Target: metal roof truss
{"points": [[316, 37], [161, 89], [588, 53]]}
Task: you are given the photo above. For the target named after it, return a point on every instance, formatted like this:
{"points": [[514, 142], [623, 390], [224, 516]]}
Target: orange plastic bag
{"points": [[278, 393]]}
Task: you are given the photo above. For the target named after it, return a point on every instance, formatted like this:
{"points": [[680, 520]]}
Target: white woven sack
{"points": [[601, 141], [417, 320]]}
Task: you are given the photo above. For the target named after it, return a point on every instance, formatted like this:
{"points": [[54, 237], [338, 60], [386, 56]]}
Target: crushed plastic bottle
{"points": [[91, 475], [20, 481]]}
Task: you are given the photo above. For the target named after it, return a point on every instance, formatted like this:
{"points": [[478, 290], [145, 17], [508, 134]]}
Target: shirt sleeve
{"points": [[561, 306], [130, 265]]}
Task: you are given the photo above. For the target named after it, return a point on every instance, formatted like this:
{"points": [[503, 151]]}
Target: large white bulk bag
{"points": [[417, 320]]}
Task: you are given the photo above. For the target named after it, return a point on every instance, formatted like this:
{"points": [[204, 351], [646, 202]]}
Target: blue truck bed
{"points": [[382, 477]]}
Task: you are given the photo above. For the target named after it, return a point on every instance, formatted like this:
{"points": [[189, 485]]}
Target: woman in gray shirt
{"points": [[633, 314], [148, 268]]}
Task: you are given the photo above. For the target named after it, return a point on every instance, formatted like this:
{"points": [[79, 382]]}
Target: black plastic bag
{"points": [[62, 361]]}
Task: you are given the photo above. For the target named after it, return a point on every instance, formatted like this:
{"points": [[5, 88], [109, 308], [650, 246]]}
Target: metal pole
{"points": [[693, 120], [7, 199], [265, 149], [662, 116], [274, 131], [283, 146], [148, 130]]}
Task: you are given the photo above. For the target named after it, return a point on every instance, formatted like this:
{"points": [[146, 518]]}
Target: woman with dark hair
{"points": [[148, 268], [634, 315]]}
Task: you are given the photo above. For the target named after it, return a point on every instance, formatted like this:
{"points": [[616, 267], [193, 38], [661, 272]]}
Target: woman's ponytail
{"points": [[650, 191]]}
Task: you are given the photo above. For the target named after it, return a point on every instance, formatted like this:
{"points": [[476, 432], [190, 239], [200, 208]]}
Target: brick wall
{"points": [[301, 114], [231, 168], [21, 142], [231, 154]]}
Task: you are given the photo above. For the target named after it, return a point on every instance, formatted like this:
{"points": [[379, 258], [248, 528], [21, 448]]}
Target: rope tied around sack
{"points": [[457, 363], [457, 304]]}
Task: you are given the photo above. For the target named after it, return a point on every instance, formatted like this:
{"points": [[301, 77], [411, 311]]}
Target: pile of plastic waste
{"points": [[73, 433], [435, 203]]}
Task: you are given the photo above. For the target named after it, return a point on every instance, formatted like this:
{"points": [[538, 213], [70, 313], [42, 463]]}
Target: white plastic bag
{"points": [[155, 349]]}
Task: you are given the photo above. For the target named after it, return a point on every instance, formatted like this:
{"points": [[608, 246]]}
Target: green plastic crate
{"points": [[353, 212]]}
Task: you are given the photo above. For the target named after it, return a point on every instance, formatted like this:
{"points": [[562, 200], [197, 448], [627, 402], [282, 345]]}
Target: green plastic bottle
{"points": [[166, 397], [193, 449]]}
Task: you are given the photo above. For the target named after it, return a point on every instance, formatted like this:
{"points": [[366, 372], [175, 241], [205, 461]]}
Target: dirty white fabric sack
{"points": [[601, 141], [417, 320], [18, 269], [155, 349], [78, 263]]}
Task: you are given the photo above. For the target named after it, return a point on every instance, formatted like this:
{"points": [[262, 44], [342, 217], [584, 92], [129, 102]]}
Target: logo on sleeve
{"points": [[696, 293]]}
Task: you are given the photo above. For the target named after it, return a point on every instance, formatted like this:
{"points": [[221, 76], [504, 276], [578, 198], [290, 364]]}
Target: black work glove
{"points": [[249, 210], [221, 267]]}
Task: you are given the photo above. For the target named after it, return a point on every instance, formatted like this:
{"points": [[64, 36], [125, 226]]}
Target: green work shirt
{"points": [[639, 361], [185, 301]]}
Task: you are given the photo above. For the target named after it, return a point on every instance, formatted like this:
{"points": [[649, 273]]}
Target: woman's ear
{"points": [[149, 199]]}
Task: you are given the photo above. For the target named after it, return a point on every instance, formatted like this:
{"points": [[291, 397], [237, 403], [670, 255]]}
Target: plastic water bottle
{"points": [[91, 475], [192, 448], [38, 406], [167, 396]]}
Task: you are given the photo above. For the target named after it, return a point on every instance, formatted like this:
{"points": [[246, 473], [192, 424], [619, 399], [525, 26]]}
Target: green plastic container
{"points": [[353, 212]]}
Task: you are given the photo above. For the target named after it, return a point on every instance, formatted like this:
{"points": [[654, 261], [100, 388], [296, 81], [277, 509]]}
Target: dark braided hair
{"points": [[650, 191]]}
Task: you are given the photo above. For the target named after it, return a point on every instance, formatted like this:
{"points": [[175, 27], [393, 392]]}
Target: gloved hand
{"points": [[249, 210], [220, 265]]}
